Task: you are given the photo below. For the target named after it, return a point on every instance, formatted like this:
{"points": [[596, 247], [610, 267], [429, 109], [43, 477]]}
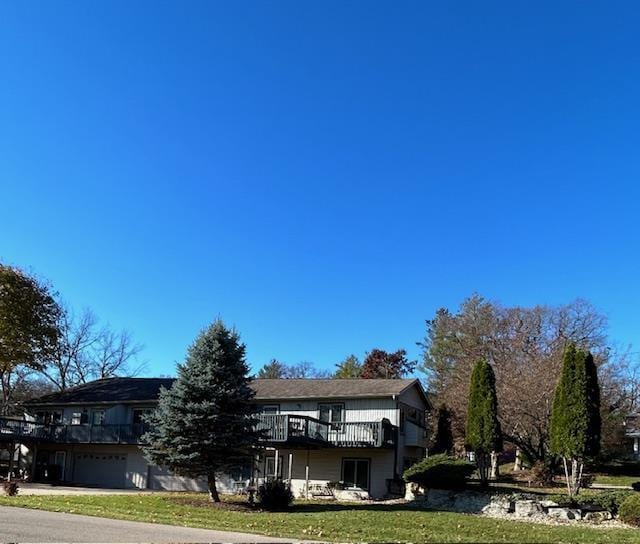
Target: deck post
{"points": [[306, 477], [289, 468], [34, 462], [12, 453], [275, 464]]}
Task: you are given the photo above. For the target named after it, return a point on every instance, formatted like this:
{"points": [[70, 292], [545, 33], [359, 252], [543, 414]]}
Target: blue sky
{"points": [[322, 175]]}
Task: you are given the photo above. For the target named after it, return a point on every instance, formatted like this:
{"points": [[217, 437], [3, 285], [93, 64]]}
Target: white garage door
{"points": [[100, 469]]}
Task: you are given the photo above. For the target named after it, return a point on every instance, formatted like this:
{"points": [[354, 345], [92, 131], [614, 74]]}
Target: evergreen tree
{"points": [[483, 433], [443, 440], [273, 370], [349, 368], [205, 422], [571, 416], [594, 431]]}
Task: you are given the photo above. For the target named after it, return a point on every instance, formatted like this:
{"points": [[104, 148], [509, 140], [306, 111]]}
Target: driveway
{"points": [[28, 488], [22, 525]]}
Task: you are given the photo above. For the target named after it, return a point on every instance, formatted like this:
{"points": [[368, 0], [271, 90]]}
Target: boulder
{"points": [[567, 514], [499, 506], [527, 508], [598, 517]]}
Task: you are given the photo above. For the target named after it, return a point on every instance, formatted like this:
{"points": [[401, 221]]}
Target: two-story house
{"points": [[359, 433]]}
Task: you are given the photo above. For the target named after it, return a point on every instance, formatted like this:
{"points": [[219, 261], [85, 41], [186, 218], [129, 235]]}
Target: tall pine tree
{"points": [[483, 433], [572, 418], [205, 422], [443, 440]]}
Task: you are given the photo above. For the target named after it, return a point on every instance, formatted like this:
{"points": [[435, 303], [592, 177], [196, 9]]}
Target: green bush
{"points": [[607, 500], [275, 496], [630, 510], [440, 472]]}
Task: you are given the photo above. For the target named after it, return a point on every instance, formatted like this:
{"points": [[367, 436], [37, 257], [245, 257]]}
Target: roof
{"points": [[108, 390], [328, 388], [134, 390]]}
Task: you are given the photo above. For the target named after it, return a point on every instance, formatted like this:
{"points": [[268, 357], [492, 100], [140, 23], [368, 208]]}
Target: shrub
{"points": [[440, 472], [542, 474], [630, 510], [607, 500], [10, 488], [275, 495]]}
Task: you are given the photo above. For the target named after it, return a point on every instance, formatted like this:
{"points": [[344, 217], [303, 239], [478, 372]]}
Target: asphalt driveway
{"points": [[23, 525]]}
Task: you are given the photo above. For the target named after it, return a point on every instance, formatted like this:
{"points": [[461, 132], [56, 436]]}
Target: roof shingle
{"points": [[124, 390]]}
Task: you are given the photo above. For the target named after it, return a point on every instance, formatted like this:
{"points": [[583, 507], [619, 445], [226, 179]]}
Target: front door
{"points": [[60, 460]]}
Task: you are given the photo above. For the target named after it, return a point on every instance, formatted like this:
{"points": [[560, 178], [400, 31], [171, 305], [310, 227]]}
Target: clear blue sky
{"points": [[322, 175]]}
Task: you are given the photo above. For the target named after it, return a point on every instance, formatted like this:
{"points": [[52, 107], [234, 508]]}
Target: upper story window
{"points": [[332, 413], [97, 417], [269, 409], [80, 417], [139, 415], [49, 417]]}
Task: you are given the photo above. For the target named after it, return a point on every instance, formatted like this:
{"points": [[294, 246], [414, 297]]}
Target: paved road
{"points": [[22, 525]]}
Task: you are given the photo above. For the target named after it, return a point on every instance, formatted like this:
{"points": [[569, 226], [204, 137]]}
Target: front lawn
{"points": [[615, 479], [326, 521]]}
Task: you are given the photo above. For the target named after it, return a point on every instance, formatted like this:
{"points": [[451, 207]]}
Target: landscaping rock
{"points": [[527, 508], [548, 504], [499, 506], [598, 517], [568, 514]]}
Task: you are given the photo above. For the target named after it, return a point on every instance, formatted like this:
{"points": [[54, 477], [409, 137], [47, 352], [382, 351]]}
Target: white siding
{"points": [[355, 409], [326, 466]]}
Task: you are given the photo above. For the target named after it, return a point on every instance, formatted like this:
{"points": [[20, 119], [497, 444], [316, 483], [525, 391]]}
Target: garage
{"points": [[100, 469]]}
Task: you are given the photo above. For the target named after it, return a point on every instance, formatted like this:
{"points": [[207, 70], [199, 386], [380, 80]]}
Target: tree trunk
{"points": [[484, 463], [495, 467], [213, 491]]}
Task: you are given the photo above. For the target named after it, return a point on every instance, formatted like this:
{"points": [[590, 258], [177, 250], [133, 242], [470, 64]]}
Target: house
{"points": [[354, 434], [632, 433]]}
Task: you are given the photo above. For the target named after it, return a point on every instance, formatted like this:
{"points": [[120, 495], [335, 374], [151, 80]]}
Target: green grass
{"points": [[615, 479], [310, 520]]}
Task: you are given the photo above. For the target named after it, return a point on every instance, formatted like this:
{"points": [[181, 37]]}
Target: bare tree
{"points": [[524, 346], [87, 352]]}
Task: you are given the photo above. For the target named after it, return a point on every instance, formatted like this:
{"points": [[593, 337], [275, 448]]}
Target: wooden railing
{"points": [[11, 429], [291, 428], [282, 428], [362, 434], [274, 428]]}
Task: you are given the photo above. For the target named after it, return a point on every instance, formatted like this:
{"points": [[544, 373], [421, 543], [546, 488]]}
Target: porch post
{"points": [[12, 452], [306, 477], [290, 463], [34, 462], [275, 464]]}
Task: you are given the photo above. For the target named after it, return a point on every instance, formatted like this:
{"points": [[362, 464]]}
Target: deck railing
{"points": [[282, 428], [12, 429], [361, 434], [275, 428]]}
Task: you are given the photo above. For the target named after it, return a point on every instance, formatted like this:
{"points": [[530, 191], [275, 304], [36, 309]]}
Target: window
{"points": [[53, 417], [332, 413], [269, 409], [270, 467], [97, 417], [355, 473], [80, 418], [139, 414]]}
